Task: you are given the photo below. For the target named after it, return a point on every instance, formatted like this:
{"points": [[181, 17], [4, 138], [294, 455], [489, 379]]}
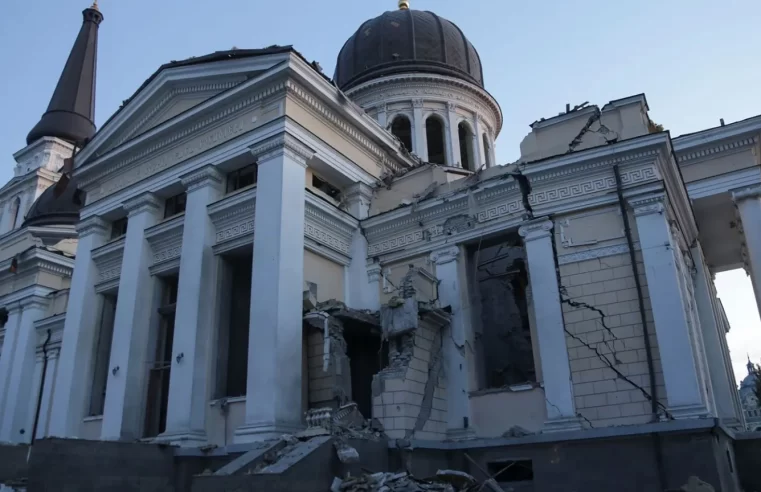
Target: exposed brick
{"points": [[416, 387], [569, 269], [593, 288], [594, 401], [415, 375], [589, 265], [580, 279], [580, 364], [608, 412], [439, 404], [583, 389], [591, 375], [605, 298], [603, 275], [618, 397], [388, 396], [589, 413], [573, 316], [605, 386], [378, 411], [629, 409], [394, 384]]}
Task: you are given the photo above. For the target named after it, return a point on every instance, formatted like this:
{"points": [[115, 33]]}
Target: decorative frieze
{"points": [[456, 214], [690, 156], [108, 260], [233, 216], [165, 239]]}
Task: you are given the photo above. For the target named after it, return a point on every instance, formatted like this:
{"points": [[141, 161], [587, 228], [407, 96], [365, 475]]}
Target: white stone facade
{"points": [[617, 309]]}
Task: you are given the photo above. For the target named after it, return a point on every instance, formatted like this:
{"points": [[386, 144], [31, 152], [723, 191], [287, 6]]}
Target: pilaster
{"points": [[459, 415], [748, 202], [47, 393], [418, 130], [381, 115], [72, 380], [192, 349], [274, 391], [20, 384], [680, 369], [550, 327], [454, 134], [8, 353], [359, 292], [125, 389]]}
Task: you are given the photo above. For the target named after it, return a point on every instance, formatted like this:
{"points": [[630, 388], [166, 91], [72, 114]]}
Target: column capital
{"points": [[451, 106], [203, 177], [33, 302], [92, 225], [536, 229], [283, 144], [648, 205], [374, 273], [13, 307], [147, 202], [382, 107], [445, 255], [746, 193], [417, 103], [359, 191]]}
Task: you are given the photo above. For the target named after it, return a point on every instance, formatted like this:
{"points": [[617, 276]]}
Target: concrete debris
{"points": [[393, 482], [346, 454], [694, 484], [458, 479], [517, 431]]}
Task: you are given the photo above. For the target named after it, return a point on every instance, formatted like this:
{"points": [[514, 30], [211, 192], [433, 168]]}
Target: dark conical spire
{"points": [[72, 108]]}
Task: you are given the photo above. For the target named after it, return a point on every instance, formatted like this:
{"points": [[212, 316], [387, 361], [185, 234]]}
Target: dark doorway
{"points": [[367, 356], [434, 132]]}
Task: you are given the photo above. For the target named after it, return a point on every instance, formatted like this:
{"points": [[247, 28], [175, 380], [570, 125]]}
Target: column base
{"points": [[562, 424], [264, 431], [697, 411], [461, 434], [183, 438]]}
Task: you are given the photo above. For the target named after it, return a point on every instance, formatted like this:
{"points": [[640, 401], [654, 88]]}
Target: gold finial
{"points": [[95, 5], [404, 4]]}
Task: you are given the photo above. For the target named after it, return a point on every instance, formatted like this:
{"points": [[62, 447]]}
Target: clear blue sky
{"points": [[696, 60]]}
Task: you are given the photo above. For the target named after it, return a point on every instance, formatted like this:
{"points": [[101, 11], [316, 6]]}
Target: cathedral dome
{"points": [[407, 41], [50, 209]]}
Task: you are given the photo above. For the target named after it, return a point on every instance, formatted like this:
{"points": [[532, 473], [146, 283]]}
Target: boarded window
{"points": [[502, 314]]}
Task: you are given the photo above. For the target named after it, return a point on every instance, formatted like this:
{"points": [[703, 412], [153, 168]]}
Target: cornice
{"points": [[12, 301], [108, 259], [691, 155], [445, 255], [648, 205], [165, 239], [373, 91], [267, 65]]}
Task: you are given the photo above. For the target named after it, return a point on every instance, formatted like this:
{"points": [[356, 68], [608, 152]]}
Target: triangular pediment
{"points": [[169, 101], [177, 88]]}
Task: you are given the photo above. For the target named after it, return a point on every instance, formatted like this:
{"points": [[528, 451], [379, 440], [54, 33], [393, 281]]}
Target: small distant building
{"points": [[749, 400]]}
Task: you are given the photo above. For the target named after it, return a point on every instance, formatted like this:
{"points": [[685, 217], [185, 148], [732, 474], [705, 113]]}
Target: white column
{"points": [[192, 349], [459, 419], [550, 328], [713, 338], [680, 370], [748, 202], [13, 424], [420, 143], [8, 351], [125, 389], [273, 389], [382, 119], [454, 135], [477, 145], [360, 293], [48, 391], [74, 376]]}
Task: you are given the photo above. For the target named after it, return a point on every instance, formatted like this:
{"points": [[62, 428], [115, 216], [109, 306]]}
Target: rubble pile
{"points": [[444, 481]]}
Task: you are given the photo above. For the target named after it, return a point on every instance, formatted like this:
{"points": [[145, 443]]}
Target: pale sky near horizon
{"points": [[696, 61]]}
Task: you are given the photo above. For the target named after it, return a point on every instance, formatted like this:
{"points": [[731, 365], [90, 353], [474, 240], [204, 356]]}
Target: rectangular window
{"points": [[232, 365], [160, 366], [500, 288], [119, 228], [102, 354], [325, 187], [243, 177], [175, 205]]}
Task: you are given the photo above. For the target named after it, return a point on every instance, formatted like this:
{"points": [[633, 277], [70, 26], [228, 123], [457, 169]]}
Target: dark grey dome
{"points": [[403, 41], [50, 209]]}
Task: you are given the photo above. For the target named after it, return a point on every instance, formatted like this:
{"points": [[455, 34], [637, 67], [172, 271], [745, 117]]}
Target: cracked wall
{"points": [[409, 396], [604, 331]]}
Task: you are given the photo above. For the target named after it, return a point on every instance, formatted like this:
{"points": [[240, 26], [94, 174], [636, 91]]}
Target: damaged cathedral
{"points": [[249, 249]]}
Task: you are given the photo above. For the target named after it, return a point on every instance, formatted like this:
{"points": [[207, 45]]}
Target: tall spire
{"points": [[71, 110]]}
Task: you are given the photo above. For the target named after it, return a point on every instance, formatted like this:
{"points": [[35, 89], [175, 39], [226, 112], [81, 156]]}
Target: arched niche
{"points": [[401, 127], [467, 156], [436, 138]]}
